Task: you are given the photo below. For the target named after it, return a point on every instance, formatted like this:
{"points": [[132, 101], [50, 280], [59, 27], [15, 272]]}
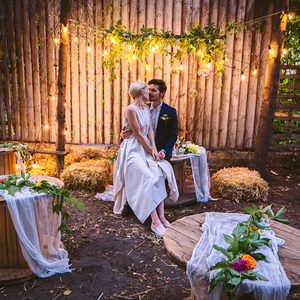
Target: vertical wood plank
{"points": [[175, 90], [193, 68], [217, 87], [159, 26], [125, 65], [99, 76], [6, 74], [2, 112], [43, 71], [244, 84], [226, 81], [168, 17], [236, 78], [116, 84], [52, 41], [20, 67], [183, 79], [141, 22], [75, 100], [150, 24], [201, 96], [209, 85], [82, 75], [91, 74], [252, 92], [107, 86], [3, 245], [11, 242], [35, 72], [133, 28], [13, 59]]}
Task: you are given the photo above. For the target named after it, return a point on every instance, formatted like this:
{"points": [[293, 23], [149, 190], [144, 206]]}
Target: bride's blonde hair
{"points": [[135, 88]]}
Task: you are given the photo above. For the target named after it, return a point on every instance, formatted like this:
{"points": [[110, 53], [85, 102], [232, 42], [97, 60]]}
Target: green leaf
{"points": [[228, 239], [235, 281], [234, 272], [12, 189], [280, 213], [223, 251], [260, 277], [220, 265]]}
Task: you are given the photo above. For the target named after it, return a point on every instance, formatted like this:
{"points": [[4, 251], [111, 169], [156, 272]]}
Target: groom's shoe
{"points": [[160, 230], [167, 224]]}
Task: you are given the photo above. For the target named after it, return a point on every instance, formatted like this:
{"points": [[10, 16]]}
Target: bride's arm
{"points": [[151, 138], [131, 117]]}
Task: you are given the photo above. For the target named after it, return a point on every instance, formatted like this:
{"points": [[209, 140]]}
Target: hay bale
{"points": [[92, 175], [74, 157], [239, 184], [42, 164]]}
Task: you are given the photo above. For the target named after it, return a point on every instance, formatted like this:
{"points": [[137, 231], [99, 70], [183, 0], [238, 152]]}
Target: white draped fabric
{"points": [[37, 229], [201, 175], [204, 256], [138, 179]]}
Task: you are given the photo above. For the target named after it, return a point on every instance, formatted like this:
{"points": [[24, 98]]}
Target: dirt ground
{"points": [[119, 258]]}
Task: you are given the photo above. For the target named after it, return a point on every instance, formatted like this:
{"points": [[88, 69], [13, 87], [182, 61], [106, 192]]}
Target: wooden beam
{"points": [[65, 15], [264, 137]]}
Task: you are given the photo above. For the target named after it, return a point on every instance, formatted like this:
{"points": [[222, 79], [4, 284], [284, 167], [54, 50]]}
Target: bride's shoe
{"points": [[167, 224], [160, 230]]}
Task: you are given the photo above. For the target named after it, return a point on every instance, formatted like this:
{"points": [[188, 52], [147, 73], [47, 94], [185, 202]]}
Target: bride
{"points": [[140, 176]]}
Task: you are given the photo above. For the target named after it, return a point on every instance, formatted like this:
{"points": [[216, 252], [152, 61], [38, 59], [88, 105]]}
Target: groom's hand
{"points": [[126, 133], [161, 154]]}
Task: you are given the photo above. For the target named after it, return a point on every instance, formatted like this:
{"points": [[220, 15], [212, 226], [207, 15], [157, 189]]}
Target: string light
{"points": [[46, 126], [130, 47], [65, 104], [56, 41], [75, 40], [243, 77], [66, 131], [35, 166], [209, 65], [255, 71], [271, 52], [148, 68], [65, 29], [199, 52], [104, 53], [53, 98], [133, 57], [285, 51], [89, 49], [291, 16], [17, 166], [181, 67]]}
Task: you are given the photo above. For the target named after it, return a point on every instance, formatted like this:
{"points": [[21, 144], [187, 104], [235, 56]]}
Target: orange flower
{"points": [[251, 262], [2, 180], [255, 228]]}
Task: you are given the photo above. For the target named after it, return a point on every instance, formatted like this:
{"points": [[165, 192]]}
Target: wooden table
{"points": [[13, 267], [183, 235], [186, 192], [7, 162]]}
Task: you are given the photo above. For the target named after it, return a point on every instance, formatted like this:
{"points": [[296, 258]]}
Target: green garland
{"points": [[61, 197], [241, 254], [208, 44]]}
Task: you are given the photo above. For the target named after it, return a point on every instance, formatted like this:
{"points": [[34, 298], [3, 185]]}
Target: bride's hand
{"points": [[155, 155]]}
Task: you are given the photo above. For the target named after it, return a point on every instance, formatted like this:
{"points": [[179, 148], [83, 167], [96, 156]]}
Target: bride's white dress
{"points": [[138, 179]]}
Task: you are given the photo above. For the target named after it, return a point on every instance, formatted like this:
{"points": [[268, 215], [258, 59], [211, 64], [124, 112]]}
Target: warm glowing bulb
{"points": [[65, 104], [255, 71], [17, 167], [243, 77], [285, 51], [66, 131], [46, 126], [56, 41], [156, 47], [65, 30], [75, 39], [209, 65], [153, 50], [291, 16], [271, 52], [133, 57], [112, 40], [181, 67], [199, 52], [104, 52], [148, 68], [53, 98], [129, 47], [35, 166], [89, 49]]}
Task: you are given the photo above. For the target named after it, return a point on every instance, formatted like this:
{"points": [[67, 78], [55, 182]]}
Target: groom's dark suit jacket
{"points": [[166, 130]]}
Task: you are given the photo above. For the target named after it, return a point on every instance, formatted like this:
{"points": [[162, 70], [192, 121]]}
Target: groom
{"points": [[163, 119]]}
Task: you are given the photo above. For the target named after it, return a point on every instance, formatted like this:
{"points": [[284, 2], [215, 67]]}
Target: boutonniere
{"points": [[165, 117]]}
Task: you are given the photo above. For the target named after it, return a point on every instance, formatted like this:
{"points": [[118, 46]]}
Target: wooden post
{"points": [[62, 79], [270, 89]]}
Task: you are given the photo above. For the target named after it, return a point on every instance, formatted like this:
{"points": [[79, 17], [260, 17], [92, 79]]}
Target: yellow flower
{"points": [[38, 184], [251, 262], [192, 148]]}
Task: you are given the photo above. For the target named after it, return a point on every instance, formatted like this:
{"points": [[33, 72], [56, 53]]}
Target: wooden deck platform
{"points": [[181, 238]]}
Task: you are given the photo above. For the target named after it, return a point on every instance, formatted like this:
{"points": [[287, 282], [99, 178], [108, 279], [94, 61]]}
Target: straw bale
{"points": [[46, 162], [239, 183], [92, 175]]}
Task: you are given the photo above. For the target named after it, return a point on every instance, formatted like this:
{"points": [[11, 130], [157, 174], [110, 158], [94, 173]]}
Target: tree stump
{"points": [[7, 162]]}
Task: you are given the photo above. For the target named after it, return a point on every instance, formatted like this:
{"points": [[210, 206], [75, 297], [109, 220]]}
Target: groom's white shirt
{"points": [[155, 115]]}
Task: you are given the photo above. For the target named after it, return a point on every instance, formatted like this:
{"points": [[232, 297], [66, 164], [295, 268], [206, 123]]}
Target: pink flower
{"points": [[240, 266]]}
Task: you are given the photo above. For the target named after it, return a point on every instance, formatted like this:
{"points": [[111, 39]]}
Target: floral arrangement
{"points": [[62, 197], [184, 147], [242, 253]]}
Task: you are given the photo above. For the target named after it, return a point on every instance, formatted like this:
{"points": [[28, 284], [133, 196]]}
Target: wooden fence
{"points": [[220, 111], [286, 128]]}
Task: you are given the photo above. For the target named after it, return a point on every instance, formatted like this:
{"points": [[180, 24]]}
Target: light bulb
{"points": [[255, 71], [89, 49], [56, 41], [75, 40], [209, 65], [66, 131], [271, 52], [65, 30], [53, 98], [35, 166], [181, 67], [104, 52], [291, 16], [46, 126], [148, 68], [243, 77], [285, 51], [199, 52], [133, 57]]}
